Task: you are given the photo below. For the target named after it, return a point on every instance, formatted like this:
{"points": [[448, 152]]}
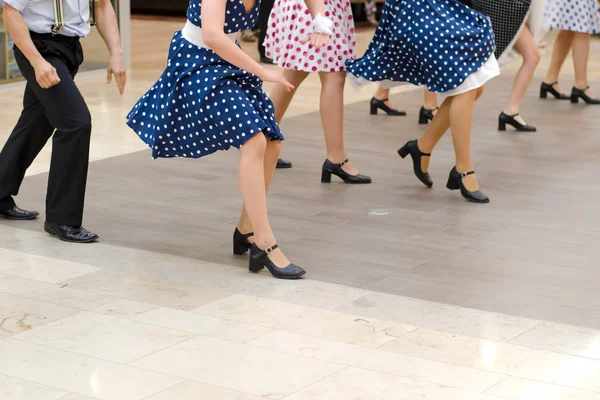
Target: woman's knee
{"points": [[533, 56], [256, 146]]}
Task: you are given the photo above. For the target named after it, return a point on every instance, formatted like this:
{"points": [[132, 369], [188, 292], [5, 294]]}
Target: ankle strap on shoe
{"points": [[346, 161], [465, 174], [265, 252]]}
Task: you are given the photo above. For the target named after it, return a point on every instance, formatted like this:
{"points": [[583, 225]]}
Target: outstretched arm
{"points": [[108, 28]]}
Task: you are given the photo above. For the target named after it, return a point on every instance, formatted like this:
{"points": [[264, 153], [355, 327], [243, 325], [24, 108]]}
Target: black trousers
{"points": [[263, 23], [60, 111]]}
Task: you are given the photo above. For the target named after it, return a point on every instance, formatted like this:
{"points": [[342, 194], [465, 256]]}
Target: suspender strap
{"points": [[93, 13], [59, 20]]}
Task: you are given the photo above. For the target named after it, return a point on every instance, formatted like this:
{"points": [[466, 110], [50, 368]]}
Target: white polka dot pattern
{"points": [[437, 43], [290, 22], [201, 104], [236, 18], [574, 15]]}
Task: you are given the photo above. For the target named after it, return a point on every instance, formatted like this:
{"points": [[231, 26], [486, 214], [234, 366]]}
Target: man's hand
{"points": [[45, 74], [116, 67]]}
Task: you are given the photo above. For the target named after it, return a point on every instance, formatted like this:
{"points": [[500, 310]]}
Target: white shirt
{"points": [[39, 15]]}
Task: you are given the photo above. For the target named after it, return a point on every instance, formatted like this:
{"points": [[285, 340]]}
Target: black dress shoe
{"points": [[259, 259], [426, 115], [266, 60], [71, 234], [283, 164], [330, 168], [455, 182], [416, 154], [549, 88], [577, 94], [241, 245], [380, 105], [505, 119], [20, 215]]}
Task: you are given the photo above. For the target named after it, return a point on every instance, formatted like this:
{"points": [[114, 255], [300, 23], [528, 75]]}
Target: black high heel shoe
{"points": [[426, 115], [510, 120], [380, 105], [241, 245], [259, 259], [577, 94], [455, 183], [549, 88], [416, 154], [330, 168]]}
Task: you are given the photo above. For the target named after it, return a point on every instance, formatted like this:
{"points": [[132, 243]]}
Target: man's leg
{"points": [[263, 24], [67, 111], [25, 142]]}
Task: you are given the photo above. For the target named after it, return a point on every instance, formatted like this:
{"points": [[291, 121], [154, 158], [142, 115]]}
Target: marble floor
{"points": [[118, 322]]}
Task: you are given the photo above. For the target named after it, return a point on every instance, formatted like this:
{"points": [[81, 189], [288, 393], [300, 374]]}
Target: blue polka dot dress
{"points": [[201, 103], [442, 44], [574, 15]]}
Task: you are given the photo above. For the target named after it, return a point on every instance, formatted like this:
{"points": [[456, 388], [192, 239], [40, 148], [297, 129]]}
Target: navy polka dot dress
{"points": [[201, 103], [437, 43]]}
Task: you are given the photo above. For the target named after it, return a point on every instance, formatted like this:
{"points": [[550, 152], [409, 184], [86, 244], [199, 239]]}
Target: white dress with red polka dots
{"points": [[290, 22]]}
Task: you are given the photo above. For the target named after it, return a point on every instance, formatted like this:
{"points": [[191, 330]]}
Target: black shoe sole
{"points": [[284, 167], [51, 232], [20, 219]]}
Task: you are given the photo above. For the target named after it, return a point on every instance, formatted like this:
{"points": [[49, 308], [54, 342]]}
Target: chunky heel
{"points": [[255, 265], [455, 182], [574, 99], [259, 259], [374, 109], [416, 154], [404, 151], [577, 94], [548, 88], [543, 93], [330, 168], [325, 177], [377, 104], [501, 125], [426, 115], [241, 245]]}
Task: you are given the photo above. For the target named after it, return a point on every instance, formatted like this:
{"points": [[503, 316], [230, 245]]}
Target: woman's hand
{"points": [[317, 40], [275, 77]]}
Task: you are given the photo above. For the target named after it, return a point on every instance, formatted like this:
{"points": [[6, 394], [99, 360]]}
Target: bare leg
{"points": [[581, 53], [271, 155], [435, 130], [332, 116], [561, 49], [252, 186], [430, 100], [461, 120], [280, 97], [526, 46]]}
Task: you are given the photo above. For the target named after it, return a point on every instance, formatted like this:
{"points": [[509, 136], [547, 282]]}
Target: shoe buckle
{"points": [[269, 250], [343, 162]]}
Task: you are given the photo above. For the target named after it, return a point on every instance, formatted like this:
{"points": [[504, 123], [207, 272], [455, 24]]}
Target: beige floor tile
{"points": [[104, 337], [523, 362], [238, 367], [112, 283], [51, 293], [444, 317], [305, 320], [381, 361], [202, 324], [43, 269], [199, 391], [18, 389], [75, 396], [18, 314], [560, 338], [306, 292], [181, 296], [123, 308], [360, 384], [79, 374], [523, 389]]}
